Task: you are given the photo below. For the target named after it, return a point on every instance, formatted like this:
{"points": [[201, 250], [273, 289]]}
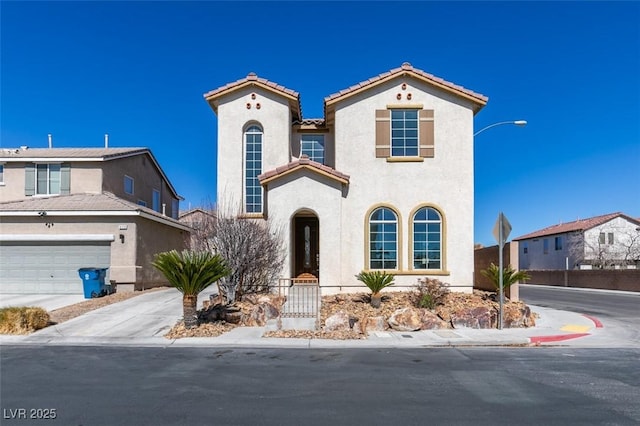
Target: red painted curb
{"points": [[595, 320], [556, 338]]}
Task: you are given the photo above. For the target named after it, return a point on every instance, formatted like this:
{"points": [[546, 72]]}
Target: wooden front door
{"points": [[307, 246]]}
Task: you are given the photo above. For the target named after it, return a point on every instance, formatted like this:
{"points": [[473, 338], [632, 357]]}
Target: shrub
{"points": [[509, 276], [376, 281], [429, 293], [22, 319]]}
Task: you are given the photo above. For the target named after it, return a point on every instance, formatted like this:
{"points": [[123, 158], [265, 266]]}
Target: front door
{"points": [[307, 247]]}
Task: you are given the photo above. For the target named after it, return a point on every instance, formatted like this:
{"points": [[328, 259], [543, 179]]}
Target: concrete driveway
{"points": [[49, 302]]}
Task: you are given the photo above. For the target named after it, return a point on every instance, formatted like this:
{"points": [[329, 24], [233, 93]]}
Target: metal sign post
{"points": [[501, 232]]}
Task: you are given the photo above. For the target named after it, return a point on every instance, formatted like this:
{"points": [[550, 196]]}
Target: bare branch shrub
{"points": [[254, 251]]}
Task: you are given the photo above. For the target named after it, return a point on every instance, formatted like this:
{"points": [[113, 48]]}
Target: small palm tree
{"points": [[376, 281], [190, 272], [509, 276]]}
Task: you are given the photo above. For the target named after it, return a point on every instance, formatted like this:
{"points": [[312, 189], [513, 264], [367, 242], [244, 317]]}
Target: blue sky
{"points": [[138, 70]]}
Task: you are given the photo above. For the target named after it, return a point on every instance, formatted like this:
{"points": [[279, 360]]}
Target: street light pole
{"points": [[520, 123]]}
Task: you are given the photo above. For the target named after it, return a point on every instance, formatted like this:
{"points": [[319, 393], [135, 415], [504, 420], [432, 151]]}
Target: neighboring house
{"points": [[203, 224], [383, 182], [66, 208], [607, 241]]}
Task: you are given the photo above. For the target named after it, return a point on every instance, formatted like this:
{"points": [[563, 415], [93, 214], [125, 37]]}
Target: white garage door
{"points": [[49, 267]]}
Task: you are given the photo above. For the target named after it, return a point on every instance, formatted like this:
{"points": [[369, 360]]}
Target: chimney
{"points": [[50, 140], [106, 140]]}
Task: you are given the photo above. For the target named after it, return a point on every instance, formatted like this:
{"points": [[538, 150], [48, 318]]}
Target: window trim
{"points": [[153, 200], [443, 238], [367, 238], [245, 185], [133, 185], [302, 136]]}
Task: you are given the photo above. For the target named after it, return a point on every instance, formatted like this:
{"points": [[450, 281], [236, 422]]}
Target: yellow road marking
{"points": [[576, 328]]}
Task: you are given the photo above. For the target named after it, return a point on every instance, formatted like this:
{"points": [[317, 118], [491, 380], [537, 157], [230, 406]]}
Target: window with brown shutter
{"points": [[426, 139], [383, 133]]}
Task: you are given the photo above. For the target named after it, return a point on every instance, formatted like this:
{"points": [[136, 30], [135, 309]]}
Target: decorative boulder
{"points": [[518, 316], [431, 321], [406, 319], [368, 324], [338, 322], [478, 317]]}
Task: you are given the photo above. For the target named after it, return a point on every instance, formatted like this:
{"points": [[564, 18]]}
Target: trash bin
{"points": [[93, 281]]}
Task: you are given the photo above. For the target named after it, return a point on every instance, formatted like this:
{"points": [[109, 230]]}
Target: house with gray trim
{"points": [[62, 209]]}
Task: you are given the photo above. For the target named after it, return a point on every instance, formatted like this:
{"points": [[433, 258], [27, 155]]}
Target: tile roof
{"points": [[577, 225], [251, 77], [310, 122], [407, 68], [303, 162], [105, 201], [105, 153]]}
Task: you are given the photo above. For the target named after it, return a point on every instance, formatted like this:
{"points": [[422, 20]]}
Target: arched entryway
{"points": [[306, 245]]}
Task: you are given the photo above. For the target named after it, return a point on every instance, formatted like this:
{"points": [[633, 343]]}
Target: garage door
{"points": [[49, 267]]}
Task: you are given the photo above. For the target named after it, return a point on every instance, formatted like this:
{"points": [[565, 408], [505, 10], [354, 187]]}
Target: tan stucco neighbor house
{"points": [[62, 209], [384, 181]]}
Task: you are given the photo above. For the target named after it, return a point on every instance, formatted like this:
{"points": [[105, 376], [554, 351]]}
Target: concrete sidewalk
{"points": [[144, 319]]}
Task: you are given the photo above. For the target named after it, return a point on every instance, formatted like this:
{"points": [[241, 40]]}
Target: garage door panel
{"points": [[49, 267]]}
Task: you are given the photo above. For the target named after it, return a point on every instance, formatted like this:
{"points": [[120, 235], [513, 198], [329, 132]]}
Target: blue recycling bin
{"points": [[93, 282]]}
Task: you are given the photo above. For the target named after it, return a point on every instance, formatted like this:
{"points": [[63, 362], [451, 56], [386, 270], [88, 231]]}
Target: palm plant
{"points": [[509, 276], [376, 281], [190, 272]]}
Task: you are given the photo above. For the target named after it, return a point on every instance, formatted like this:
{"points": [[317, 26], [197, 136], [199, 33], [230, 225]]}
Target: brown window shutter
{"points": [[383, 133], [426, 134]]}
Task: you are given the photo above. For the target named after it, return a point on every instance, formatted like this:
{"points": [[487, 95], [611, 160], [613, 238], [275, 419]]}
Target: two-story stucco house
{"points": [[383, 182], [62, 209], [607, 241]]}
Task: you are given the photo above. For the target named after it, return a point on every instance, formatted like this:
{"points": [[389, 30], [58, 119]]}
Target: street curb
{"points": [[595, 320], [536, 340]]}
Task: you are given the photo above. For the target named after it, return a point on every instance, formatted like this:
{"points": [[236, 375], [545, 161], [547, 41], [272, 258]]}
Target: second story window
{"points": [[558, 243], [47, 179], [128, 185], [404, 133], [156, 200], [253, 168], [313, 146], [1, 174]]}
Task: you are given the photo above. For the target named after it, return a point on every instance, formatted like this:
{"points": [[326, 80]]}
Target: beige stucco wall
{"points": [[233, 117], [146, 178], [154, 237], [444, 182], [308, 192], [84, 178]]}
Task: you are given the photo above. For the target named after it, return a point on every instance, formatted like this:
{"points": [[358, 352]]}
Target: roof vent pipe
{"points": [[106, 140], [164, 206], [50, 140]]}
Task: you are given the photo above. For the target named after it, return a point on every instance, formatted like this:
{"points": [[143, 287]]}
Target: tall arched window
{"points": [[427, 239], [383, 239], [253, 167]]}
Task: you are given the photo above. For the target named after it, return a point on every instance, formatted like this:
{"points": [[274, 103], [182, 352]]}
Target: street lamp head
{"points": [[520, 122]]}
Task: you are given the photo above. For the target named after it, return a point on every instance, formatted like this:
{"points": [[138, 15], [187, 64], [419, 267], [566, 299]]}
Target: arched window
{"points": [[253, 167], [383, 239], [427, 239]]}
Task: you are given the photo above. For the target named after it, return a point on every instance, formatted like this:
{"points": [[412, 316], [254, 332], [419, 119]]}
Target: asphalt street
{"points": [[184, 386]]}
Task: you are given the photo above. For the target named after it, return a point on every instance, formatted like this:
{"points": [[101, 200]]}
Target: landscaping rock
{"points": [[340, 321], [369, 324], [406, 319], [480, 317], [431, 321]]}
